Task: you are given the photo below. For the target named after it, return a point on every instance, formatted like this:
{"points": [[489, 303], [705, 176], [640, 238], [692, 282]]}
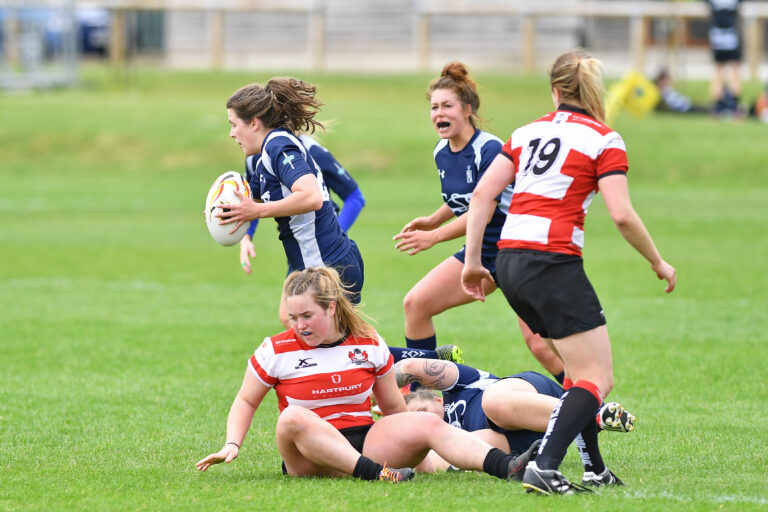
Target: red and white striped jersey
{"points": [[334, 381], [558, 160]]}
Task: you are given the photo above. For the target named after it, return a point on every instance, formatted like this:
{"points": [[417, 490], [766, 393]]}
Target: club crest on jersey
{"points": [[304, 363], [441, 173], [358, 356], [469, 174]]}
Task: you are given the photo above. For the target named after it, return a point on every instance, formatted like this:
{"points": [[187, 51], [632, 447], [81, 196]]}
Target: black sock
{"points": [[496, 463], [428, 343], [366, 469], [575, 409], [589, 437]]}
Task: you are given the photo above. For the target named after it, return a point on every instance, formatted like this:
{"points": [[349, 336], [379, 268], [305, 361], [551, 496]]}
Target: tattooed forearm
{"points": [[434, 372], [403, 378]]}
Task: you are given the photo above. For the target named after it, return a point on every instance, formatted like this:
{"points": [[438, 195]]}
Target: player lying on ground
{"points": [[509, 413], [324, 369]]}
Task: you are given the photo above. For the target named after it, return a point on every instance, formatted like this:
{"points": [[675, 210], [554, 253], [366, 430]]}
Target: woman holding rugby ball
{"points": [[286, 181]]}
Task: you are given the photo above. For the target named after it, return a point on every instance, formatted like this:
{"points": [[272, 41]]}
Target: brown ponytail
{"points": [[455, 77], [284, 102]]}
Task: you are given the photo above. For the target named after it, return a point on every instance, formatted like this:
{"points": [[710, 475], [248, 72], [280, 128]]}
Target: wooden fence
{"points": [[638, 13]]}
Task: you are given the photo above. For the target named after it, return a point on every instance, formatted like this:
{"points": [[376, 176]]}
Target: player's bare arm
{"points": [[430, 373]]}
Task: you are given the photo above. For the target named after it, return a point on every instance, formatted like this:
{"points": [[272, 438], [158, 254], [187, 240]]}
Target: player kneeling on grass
{"points": [[323, 369], [511, 413]]}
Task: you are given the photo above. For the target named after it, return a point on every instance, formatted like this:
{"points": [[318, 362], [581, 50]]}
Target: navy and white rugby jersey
{"points": [[459, 173], [312, 239], [724, 31], [463, 401], [336, 178]]}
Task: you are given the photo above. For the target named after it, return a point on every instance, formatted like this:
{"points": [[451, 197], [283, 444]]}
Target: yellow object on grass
{"points": [[634, 93]]}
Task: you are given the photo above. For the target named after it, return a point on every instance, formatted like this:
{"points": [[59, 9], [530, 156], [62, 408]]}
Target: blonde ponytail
{"points": [[579, 79]]}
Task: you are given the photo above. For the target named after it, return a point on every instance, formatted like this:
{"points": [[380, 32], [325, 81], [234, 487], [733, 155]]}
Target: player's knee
{"points": [[607, 386], [292, 421], [415, 304], [538, 348], [496, 405]]}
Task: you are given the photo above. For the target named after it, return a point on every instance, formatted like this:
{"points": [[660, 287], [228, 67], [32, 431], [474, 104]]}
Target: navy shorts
{"points": [[549, 291], [351, 272], [521, 440], [487, 259]]}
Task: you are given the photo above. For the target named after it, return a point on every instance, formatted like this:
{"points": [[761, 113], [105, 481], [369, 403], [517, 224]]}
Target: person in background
{"points": [[673, 100], [725, 42]]}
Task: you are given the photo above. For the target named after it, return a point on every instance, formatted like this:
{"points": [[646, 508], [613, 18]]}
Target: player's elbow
{"points": [[623, 217], [403, 369], [314, 201], [482, 195]]}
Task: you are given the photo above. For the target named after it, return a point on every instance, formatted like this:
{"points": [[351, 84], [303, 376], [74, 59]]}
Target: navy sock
{"points": [[560, 377], [409, 353], [575, 409], [428, 343]]}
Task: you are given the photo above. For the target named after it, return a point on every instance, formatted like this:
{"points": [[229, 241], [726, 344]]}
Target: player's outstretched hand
{"points": [[472, 281], [423, 223], [227, 454], [415, 241], [247, 251], [666, 271]]}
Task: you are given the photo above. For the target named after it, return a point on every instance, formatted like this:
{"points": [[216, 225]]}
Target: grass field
{"points": [[124, 329]]}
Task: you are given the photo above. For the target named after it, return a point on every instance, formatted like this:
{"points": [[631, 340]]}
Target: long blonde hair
{"points": [[325, 287], [579, 77], [284, 102]]}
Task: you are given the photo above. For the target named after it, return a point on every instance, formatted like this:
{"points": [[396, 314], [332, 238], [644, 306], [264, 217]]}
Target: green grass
{"points": [[124, 329]]}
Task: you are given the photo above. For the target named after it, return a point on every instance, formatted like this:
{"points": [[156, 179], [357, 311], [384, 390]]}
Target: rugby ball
{"points": [[222, 193]]}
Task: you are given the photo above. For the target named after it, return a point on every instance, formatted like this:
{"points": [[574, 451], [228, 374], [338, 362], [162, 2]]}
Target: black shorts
{"points": [[721, 56], [549, 291], [355, 436]]}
